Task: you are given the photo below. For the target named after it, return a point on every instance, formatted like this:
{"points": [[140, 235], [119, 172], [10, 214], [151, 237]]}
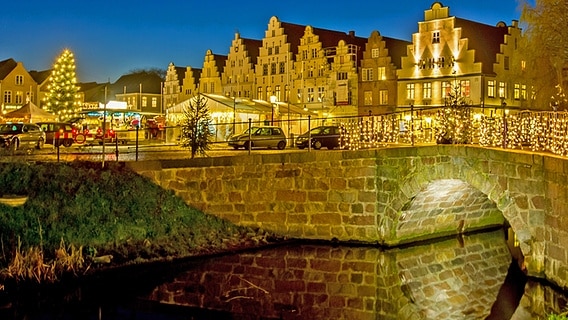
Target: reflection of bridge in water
{"points": [[451, 279]]}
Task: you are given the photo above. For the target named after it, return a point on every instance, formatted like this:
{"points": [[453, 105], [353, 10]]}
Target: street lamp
{"points": [[273, 102]]}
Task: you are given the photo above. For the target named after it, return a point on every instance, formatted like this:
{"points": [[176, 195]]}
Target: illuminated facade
{"points": [[172, 90], [448, 52], [17, 86], [238, 77], [210, 78]]}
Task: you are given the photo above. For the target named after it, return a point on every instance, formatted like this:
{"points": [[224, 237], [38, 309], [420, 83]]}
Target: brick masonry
{"points": [[381, 195], [443, 280]]}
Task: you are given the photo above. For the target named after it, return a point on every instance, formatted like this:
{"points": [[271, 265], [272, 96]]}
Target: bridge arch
{"points": [[473, 173]]}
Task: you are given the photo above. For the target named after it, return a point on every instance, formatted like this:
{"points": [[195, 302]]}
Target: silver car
{"points": [[259, 137], [21, 136]]}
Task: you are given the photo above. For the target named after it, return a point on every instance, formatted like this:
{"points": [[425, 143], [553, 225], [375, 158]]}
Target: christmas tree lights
{"points": [[62, 98]]}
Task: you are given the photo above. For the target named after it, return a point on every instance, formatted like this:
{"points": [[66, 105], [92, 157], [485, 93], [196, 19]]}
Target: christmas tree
{"points": [[454, 120], [62, 98]]}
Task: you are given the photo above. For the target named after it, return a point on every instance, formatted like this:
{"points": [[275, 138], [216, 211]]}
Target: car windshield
{"points": [[11, 128]]}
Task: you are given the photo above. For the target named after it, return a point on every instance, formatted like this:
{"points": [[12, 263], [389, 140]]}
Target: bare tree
{"points": [[195, 127], [545, 51]]}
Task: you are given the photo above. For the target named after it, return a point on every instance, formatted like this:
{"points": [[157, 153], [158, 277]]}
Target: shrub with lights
{"points": [[62, 98], [454, 120]]}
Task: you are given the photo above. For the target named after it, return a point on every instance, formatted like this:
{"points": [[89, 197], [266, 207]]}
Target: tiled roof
{"points": [[180, 71], [6, 67], [220, 61], [253, 48], [196, 73], [150, 82], [294, 33], [40, 76], [486, 40], [397, 49]]}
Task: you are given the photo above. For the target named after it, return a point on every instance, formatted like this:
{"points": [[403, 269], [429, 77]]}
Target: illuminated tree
{"points": [[62, 96], [195, 126], [454, 123], [545, 52]]}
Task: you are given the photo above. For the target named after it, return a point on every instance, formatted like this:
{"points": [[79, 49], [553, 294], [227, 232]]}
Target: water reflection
{"points": [[459, 278]]}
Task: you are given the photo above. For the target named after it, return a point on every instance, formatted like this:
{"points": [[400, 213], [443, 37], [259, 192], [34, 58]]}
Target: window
{"points": [[144, 101], [427, 90], [383, 97], [465, 88], [368, 98], [19, 80], [524, 91], [375, 53], [269, 51], [7, 96], [491, 88], [154, 102], [19, 97], [304, 54], [517, 91], [314, 53], [264, 69], [502, 89], [273, 68], [212, 88], [276, 50], [259, 93], [367, 74], [299, 95], [282, 67], [342, 76], [277, 93], [446, 89], [321, 93], [310, 94], [436, 37], [410, 91], [506, 63], [382, 73], [311, 72]]}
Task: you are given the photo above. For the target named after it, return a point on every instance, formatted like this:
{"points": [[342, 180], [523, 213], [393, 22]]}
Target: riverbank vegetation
{"points": [[79, 217]]}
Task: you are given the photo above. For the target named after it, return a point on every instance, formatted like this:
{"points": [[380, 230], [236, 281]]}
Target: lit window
{"points": [[502, 90], [19, 80], [410, 91], [368, 98], [446, 89], [491, 88], [517, 91], [310, 94], [367, 74], [7, 96], [19, 97], [154, 102], [524, 91], [427, 90], [465, 88], [382, 73], [383, 97], [375, 53]]}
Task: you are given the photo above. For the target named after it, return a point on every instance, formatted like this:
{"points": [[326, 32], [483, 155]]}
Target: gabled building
{"points": [[190, 86], [377, 74], [238, 77], [42, 80], [173, 85], [449, 52], [17, 86], [141, 91], [210, 77]]}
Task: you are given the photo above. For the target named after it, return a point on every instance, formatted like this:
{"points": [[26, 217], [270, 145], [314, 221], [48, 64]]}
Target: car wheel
{"points": [[317, 144], [281, 145], [40, 143], [248, 145]]}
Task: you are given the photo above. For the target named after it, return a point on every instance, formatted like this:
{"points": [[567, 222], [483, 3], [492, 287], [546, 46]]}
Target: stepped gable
{"points": [[6, 66], [486, 40], [294, 33], [397, 49], [180, 72]]}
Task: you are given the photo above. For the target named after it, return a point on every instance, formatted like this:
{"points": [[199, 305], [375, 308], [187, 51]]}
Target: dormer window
{"points": [[436, 37]]}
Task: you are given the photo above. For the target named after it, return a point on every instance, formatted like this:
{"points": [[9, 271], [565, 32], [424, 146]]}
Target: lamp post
{"points": [[273, 102]]}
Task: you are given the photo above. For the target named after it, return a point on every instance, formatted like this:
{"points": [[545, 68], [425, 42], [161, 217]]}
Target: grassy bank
{"points": [[90, 216]]}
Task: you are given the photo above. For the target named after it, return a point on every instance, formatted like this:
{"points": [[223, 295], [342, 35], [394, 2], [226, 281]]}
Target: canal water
{"points": [[469, 277]]}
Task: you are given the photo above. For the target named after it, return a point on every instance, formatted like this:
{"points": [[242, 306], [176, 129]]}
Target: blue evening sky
{"points": [[112, 38]]}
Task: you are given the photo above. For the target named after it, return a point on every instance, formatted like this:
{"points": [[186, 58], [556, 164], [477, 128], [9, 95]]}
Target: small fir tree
{"points": [[454, 120], [62, 99], [195, 127]]}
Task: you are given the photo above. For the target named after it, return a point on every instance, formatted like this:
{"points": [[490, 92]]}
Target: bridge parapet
{"points": [[385, 195]]}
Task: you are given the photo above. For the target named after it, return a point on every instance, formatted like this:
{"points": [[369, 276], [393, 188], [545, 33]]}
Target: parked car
{"points": [[58, 133], [21, 136], [260, 137], [323, 136]]}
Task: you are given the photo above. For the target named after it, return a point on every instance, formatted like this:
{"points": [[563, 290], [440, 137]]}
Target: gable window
{"points": [[7, 96], [382, 73], [375, 53], [436, 37], [314, 53], [491, 88], [19, 80]]}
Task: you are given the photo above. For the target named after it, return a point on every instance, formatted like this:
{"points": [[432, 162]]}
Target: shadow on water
{"points": [[472, 277]]}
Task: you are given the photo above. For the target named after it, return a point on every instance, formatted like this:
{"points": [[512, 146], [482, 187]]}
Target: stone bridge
{"points": [[389, 196]]}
